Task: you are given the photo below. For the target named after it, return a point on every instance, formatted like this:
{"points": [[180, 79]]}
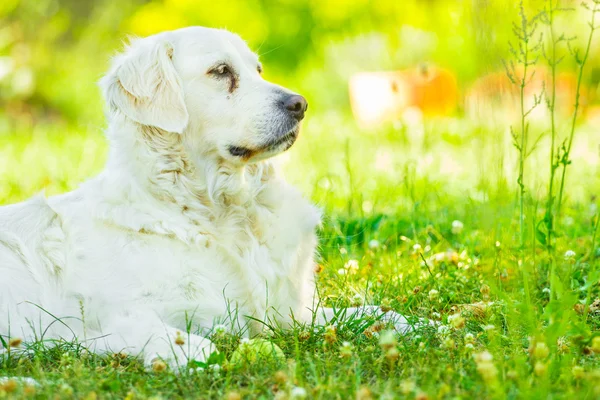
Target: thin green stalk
{"points": [[552, 61], [567, 151]]}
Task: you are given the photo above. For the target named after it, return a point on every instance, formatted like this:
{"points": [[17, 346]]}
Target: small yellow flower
{"points": [[9, 386], [457, 321], [392, 354], [330, 335], [346, 350], [387, 340], [159, 366], [179, 340], [280, 377], [233, 396], [596, 345], [540, 368], [386, 305], [578, 372], [364, 393], [541, 351], [407, 386]]}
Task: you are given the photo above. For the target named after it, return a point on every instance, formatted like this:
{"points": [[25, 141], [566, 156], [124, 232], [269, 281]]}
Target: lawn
{"points": [[439, 218], [422, 220]]}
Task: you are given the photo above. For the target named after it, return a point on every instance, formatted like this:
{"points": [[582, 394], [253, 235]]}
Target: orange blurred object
{"points": [[493, 98], [379, 97]]}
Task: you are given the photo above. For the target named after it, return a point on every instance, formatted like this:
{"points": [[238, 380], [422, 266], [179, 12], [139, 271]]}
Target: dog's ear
{"points": [[144, 85]]}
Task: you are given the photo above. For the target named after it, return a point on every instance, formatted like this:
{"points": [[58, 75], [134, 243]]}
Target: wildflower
{"points": [[417, 247], [457, 321], [392, 354], [298, 393], [341, 271], [357, 300], [9, 386], [562, 345], [469, 346], [596, 345], [578, 372], [416, 289], [469, 338], [15, 342], [540, 368], [364, 393], [448, 343], [319, 268], [374, 244], [304, 335], [179, 341], [443, 330], [498, 245], [421, 396], [387, 340], [343, 250], [485, 366], [541, 350], [407, 386], [351, 266], [233, 396], [485, 291], [484, 356], [346, 350], [422, 346], [385, 305], [569, 254], [330, 335], [219, 328], [159, 366], [433, 294], [579, 308], [457, 227]]}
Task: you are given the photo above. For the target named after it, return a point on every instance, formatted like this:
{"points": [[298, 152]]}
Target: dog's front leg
{"points": [[326, 316], [144, 334]]}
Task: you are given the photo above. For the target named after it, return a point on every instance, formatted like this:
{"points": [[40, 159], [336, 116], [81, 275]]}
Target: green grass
{"points": [[390, 198]]}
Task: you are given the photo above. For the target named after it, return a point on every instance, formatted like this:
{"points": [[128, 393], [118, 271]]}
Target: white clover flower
{"points": [[417, 247], [433, 294], [569, 254], [219, 328], [374, 244], [443, 330], [457, 227], [298, 393], [343, 250], [341, 271], [351, 266]]}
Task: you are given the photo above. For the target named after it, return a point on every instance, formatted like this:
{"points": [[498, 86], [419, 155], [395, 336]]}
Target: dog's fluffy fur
{"points": [[178, 228]]}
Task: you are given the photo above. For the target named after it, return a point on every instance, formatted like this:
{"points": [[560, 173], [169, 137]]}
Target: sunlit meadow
{"points": [[446, 217]]}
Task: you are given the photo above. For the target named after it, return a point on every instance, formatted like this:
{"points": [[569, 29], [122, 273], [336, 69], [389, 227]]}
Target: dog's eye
{"points": [[221, 70]]}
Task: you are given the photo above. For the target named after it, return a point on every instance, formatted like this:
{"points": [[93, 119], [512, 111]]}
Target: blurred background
{"points": [[408, 99]]}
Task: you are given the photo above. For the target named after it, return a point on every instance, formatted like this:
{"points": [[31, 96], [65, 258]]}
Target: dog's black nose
{"points": [[296, 105]]}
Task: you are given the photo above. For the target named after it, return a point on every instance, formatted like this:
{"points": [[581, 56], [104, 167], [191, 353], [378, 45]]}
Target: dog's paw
{"points": [[176, 352], [401, 324]]}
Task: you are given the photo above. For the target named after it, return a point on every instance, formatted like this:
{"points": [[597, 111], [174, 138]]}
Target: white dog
{"points": [[190, 224]]}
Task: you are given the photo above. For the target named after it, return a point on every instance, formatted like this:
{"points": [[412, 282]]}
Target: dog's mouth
{"points": [[276, 144]]}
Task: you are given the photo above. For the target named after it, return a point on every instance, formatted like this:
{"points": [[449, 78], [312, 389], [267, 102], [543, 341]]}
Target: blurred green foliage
{"points": [[52, 52]]}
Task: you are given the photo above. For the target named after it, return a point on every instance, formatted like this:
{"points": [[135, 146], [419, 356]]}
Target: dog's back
{"points": [[27, 233]]}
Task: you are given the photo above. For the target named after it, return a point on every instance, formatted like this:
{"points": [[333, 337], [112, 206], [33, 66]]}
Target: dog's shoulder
{"points": [[27, 219]]}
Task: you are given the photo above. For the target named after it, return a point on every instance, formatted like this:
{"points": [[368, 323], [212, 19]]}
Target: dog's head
{"points": [[205, 84]]}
